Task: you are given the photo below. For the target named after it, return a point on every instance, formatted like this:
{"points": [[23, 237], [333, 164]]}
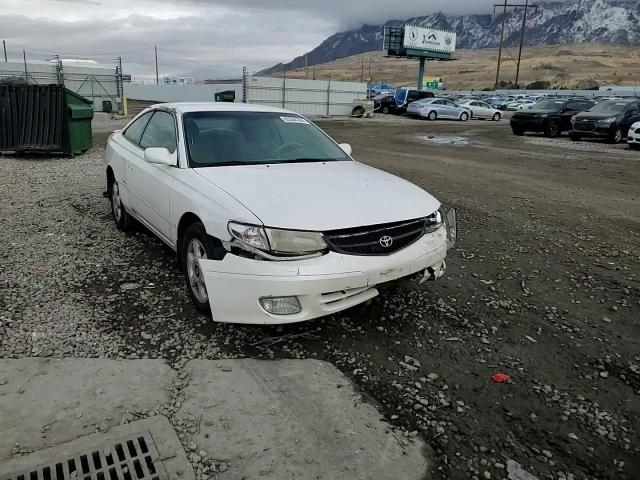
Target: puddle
{"points": [[441, 139]]}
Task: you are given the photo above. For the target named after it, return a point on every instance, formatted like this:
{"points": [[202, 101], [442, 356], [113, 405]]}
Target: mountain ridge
{"points": [[555, 22]]}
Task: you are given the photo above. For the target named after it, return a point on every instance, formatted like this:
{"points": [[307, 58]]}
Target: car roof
{"points": [[186, 107]]}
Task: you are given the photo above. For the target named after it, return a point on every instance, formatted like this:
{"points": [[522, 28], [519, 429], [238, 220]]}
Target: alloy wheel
{"points": [[195, 252]]}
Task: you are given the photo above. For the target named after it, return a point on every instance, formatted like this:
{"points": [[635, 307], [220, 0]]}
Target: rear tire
{"points": [[464, 116], [196, 245], [496, 117], [552, 130], [384, 109], [432, 115], [123, 220]]}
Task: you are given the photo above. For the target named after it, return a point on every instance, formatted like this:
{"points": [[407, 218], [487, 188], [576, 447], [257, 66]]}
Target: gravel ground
{"points": [[543, 286]]}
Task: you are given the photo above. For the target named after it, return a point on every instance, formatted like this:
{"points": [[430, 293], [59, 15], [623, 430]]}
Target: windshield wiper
{"points": [[308, 159]]}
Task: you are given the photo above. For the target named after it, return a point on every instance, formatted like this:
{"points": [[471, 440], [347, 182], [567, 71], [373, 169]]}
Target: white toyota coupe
{"points": [[271, 220]]}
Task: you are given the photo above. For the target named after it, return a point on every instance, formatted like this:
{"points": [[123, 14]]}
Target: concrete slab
{"points": [[292, 419], [107, 455], [45, 402]]}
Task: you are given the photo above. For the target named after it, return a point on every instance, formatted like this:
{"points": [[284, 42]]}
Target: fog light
{"points": [[281, 305]]}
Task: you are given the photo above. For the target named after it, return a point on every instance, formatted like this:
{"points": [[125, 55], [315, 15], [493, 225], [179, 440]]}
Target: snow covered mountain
{"points": [[555, 22]]}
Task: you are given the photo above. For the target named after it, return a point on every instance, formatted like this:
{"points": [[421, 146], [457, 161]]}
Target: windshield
{"points": [[609, 106], [551, 105], [249, 138]]}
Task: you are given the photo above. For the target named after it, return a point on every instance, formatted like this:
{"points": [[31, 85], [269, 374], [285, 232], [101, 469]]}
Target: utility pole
{"points": [[362, 71], [504, 6], [155, 48], [306, 67], [504, 19], [4, 47], [369, 78], [24, 57]]}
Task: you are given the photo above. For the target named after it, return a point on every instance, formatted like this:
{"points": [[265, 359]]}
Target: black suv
{"points": [[398, 103], [609, 119], [551, 116]]}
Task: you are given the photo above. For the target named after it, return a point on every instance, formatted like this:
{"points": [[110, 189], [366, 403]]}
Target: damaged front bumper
{"points": [[322, 285]]}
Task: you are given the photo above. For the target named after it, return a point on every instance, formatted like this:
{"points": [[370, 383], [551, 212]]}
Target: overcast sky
{"points": [[202, 38]]}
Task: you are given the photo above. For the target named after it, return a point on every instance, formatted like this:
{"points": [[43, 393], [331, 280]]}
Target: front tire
{"points": [[196, 245], [552, 130], [121, 218], [464, 116], [496, 117], [616, 137], [575, 138], [517, 131], [634, 146], [432, 115], [385, 109]]}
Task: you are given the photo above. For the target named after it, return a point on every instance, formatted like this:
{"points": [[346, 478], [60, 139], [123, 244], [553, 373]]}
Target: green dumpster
{"points": [[225, 96], [76, 135]]}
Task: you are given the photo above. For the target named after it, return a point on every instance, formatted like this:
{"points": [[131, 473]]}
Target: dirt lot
{"points": [[543, 285]]}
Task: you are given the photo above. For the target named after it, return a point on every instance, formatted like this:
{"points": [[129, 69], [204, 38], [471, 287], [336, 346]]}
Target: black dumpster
{"points": [[43, 118], [31, 117]]}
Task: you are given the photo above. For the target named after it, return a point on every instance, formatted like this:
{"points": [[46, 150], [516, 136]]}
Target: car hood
{"points": [[594, 115], [321, 196], [531, 112]]}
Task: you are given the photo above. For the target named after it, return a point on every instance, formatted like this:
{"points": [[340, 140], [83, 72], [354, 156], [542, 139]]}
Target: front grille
{"points": [[584, 126], [381, 239]]}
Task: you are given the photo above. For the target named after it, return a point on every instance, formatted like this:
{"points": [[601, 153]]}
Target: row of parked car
{"points": [[424, 104], [610, 119]]}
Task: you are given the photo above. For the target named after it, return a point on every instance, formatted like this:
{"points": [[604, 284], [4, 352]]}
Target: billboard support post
{"points": [[421, 74]]}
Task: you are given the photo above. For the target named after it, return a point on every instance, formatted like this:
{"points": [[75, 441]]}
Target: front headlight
{"points": [[607, 121], [249, 235], [292, 241], [434, 222], [277, 240]]}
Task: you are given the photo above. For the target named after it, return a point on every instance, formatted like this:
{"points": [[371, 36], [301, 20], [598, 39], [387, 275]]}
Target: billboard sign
{"points": [[429, 39]]}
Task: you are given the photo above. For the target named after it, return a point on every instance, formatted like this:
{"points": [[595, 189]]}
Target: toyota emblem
{"points": [[386, 241]]}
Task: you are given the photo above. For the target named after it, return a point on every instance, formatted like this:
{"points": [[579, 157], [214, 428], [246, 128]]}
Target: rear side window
{"points": [[160, 132], [134, 131]]}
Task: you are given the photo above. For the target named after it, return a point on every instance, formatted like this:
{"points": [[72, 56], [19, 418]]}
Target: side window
{"points": [[572, 106], [413, 95], [134, 131], [437, 102], [160, 132], [449, 103]]}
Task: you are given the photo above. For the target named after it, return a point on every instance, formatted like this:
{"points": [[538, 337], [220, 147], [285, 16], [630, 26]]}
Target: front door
{"points": [[149, 183]]}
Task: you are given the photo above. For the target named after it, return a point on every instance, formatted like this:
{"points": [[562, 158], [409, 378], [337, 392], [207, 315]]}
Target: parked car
{"points": [[271, 220], [633, 136], [481, 109], [526, 104], [551, 116], [402, 98], [434, 108], [609, 119], [499, 103], [383, 103]]}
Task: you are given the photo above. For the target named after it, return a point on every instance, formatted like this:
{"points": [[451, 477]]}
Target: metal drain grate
{"points": [[135, 458]]}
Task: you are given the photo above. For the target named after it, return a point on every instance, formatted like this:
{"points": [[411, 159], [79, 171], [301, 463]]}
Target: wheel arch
{"points": [[186, 220], [110, 176]]}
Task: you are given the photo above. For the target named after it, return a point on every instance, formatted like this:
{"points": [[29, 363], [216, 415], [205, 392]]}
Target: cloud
{"points": [[200, 38]]}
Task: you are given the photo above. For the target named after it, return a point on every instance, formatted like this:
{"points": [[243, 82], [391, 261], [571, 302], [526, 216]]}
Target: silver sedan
{"points": [[434, 108]]}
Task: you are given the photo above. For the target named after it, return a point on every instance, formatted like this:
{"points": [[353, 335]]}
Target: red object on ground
{"points": [[500, 377]]}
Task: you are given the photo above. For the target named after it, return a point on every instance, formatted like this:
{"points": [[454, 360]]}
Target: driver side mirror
{"points": [[158, 156], [346, 148]]}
